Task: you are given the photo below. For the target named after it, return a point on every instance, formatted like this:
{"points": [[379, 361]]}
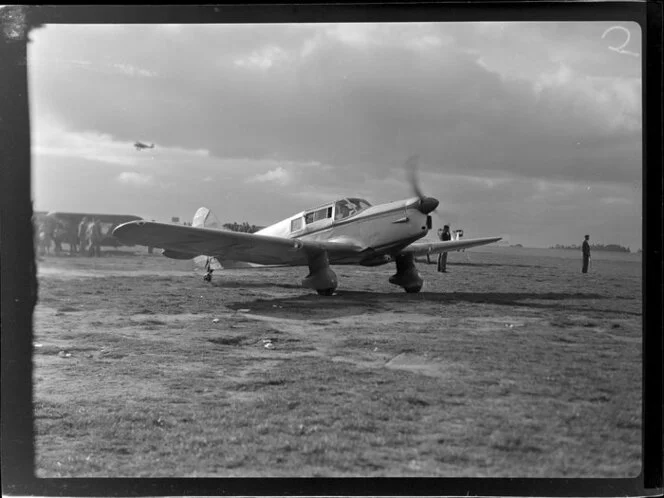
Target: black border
{"points": [[18, 269]]}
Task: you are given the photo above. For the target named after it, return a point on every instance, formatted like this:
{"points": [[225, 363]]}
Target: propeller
{"points": [[427, 204]]}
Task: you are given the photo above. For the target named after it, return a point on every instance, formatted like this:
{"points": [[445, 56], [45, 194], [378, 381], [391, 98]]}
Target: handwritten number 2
{"points": [[620, 49]]}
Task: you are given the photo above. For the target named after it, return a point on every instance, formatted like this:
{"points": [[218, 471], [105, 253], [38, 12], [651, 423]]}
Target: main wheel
{"points": [[325, 292], [414, 289]]}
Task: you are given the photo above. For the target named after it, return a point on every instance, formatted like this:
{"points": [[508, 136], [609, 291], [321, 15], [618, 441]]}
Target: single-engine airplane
{"points": [[140, 146], [349, 231]]}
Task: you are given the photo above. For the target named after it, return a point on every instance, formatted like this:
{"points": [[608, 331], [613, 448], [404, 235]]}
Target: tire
{"points": [[325, 292], [413, 290]]}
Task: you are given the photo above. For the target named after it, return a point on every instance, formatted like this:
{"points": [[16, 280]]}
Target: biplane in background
{"points": [[349, 231], [140, 146]]}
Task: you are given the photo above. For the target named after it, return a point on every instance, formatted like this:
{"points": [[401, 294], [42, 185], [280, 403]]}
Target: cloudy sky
{"points": [[531, 131]]}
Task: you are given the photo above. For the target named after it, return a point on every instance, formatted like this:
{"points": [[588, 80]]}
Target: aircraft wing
{"points": [[423, 248], [183, 240]]}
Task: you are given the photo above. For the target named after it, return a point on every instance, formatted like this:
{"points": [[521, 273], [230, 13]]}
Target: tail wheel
{"points": [[325, 292], [413, 290]]}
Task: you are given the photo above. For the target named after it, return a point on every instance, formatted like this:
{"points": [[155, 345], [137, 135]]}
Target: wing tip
{"points": [[122, 230]]}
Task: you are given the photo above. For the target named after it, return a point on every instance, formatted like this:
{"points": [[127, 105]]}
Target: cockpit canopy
{"points": [[322, 216], [349, 207]]}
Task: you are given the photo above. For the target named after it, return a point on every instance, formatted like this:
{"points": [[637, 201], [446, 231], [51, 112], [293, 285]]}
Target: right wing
{"points": [[184, 240], [423, 248]]}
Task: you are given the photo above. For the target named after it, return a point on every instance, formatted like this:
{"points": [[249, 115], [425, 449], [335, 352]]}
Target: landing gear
{"points": [[208, 271], [321, 278], [407, 275]]}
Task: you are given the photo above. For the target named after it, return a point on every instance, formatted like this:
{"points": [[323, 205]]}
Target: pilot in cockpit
{"points": [[342, 211]]}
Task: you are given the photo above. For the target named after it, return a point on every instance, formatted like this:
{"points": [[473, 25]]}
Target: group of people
{"points": [[90, 236], [84, 239]]}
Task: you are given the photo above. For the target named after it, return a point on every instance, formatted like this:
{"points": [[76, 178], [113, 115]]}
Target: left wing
{"points": [[423, 248], [185, 242]]}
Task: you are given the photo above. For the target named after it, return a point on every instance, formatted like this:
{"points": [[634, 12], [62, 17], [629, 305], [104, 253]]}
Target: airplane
{"points": [[348, 231], [140, 146]]}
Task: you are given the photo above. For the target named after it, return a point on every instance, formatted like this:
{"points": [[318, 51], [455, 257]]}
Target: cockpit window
{"points": [[361, 204], [296, 224], [321, 214], [349, 207]]}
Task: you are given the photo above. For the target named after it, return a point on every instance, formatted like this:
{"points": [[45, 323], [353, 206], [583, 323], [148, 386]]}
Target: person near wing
{"points": [[442, 257]]}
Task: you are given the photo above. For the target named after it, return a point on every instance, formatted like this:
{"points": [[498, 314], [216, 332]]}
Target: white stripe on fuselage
{"points": [[373, 227]]}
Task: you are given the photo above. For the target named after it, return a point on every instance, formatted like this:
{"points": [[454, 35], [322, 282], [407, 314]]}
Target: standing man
{"points": [[82, 230], [440, 230], [442, 257], [96, 237], [93, 236], [586, 254]]}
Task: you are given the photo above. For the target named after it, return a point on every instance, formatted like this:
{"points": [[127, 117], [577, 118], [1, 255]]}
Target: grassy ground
{"points": [[507, 365]]}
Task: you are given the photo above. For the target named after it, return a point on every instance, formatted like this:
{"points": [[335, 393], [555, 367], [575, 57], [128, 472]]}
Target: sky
{"points": [[529, 131]]}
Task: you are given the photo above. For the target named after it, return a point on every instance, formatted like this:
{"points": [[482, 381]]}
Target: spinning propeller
{"points": [[427, 204]]}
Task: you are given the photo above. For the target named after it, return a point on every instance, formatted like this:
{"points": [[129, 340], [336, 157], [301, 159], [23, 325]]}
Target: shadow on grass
{"points": [[237, 284], [481, 265], [119, 252], [498, 265], [347, 303]]}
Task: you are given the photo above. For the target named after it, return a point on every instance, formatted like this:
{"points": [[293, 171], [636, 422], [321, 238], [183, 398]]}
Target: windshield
{"points": [[349, 207]]}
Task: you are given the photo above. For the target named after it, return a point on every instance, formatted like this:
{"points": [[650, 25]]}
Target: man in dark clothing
{"points": [[442, 257], [586, 254]]}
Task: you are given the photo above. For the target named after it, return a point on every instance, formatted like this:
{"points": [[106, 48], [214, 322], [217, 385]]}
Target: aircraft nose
{"points": [[428, 204]]}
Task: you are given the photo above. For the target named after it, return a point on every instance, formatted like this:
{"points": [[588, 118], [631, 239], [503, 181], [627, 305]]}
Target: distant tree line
{"points": [[595, 247], [242, 227]]}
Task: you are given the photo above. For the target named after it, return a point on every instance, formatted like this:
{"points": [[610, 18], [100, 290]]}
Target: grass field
{"points": [[511, 364]]}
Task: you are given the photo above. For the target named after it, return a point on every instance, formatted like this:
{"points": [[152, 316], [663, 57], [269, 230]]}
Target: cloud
{"points": [[52, 139], [367, 95], [279, 176], [133, 71], [262, 59], [135, 179]]}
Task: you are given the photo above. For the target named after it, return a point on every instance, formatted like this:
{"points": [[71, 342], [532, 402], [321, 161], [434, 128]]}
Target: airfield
{"points": [[511, 364]]}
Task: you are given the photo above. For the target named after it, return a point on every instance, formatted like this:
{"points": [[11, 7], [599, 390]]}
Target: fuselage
{"points": [[381, 231]]}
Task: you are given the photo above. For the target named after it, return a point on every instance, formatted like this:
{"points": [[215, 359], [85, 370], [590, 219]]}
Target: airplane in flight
{"points": [[140, 146], [348, 231]]}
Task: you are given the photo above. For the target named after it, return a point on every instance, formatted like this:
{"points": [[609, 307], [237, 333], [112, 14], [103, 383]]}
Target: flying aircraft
{"points": [[140, 146], [349, 231]]}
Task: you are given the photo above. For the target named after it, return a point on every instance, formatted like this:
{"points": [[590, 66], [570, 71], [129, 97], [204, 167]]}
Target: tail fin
{"points": [[204, 218]]}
